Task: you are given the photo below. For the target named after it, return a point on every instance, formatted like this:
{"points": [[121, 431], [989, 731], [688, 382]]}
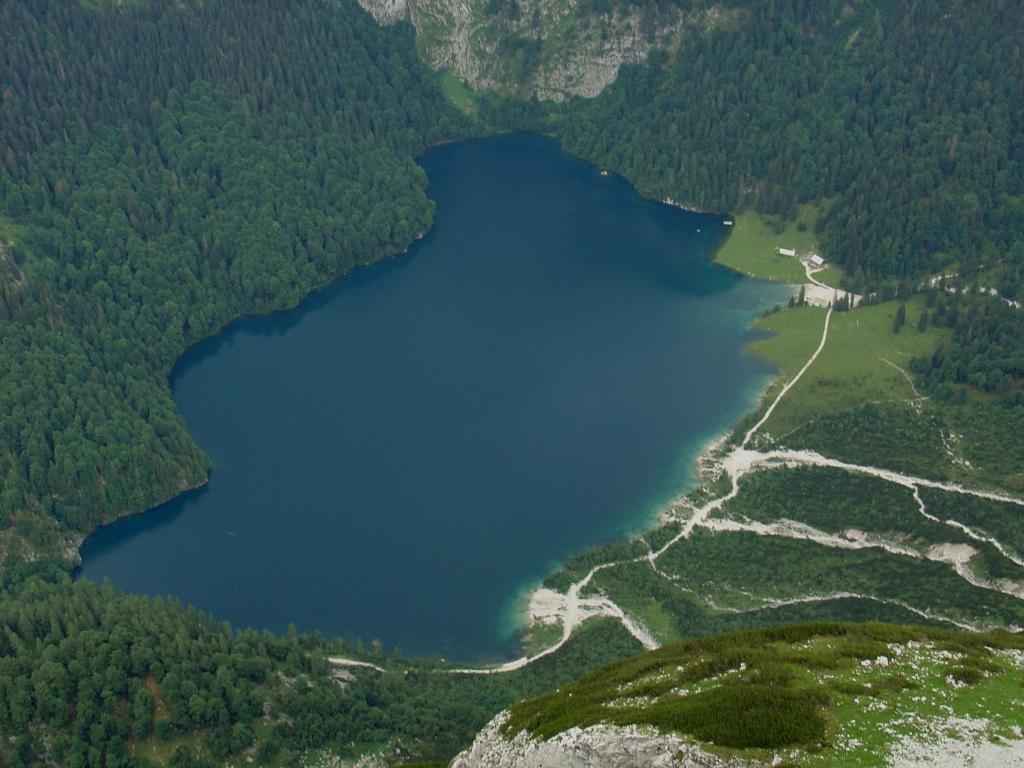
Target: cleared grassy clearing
{"points": [[458, 94], [831, 275], [863, 360], [751, 247], [542, 635], [794, 335]]}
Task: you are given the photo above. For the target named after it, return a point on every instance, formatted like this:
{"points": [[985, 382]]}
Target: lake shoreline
{"points": [[539, 605], [73, 554], [535, 606], [669, 251]]}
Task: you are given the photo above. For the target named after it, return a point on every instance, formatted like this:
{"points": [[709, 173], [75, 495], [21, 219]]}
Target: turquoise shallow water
{"points": [[399, 456]]}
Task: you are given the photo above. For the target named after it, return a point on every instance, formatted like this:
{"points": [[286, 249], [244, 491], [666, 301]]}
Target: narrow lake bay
{"points": [[404, 454]]}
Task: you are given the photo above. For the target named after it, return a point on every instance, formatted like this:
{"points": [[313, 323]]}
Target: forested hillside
{"points": [[93, 677], [168, 167], [820, 695], [906, 116], [987, 350]]}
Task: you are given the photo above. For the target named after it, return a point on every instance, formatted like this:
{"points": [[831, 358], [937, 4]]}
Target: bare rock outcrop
{"points": [[551, 49], [598, 746]]}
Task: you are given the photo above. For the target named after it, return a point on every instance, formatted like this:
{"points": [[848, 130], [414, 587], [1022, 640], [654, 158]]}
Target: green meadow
{"points": [[752, 247], [863, 360]]}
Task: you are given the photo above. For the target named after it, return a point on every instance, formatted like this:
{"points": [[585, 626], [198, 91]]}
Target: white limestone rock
{"points": [[598, 746]]}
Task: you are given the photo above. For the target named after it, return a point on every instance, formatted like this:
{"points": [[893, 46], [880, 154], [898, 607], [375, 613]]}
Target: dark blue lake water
{"points": [[407, 452]]}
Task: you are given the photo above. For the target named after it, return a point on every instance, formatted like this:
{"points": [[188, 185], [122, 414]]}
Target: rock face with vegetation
{"points": [[808, 695], [597, 746], [552, 49]]}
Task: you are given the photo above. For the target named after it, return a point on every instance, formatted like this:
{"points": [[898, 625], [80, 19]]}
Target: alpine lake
{"points": [[409, 452]]}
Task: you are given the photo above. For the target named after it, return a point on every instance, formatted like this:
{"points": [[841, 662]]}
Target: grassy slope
{"points": [[816, 695], [751, 248], [852, 368], [853, 405], [458, 94]]}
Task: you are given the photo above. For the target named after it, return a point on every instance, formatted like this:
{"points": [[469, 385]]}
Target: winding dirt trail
{"points": [[339, 661], [786, 457], [789, 385]]}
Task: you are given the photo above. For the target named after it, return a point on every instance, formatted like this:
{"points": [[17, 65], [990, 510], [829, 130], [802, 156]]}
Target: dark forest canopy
{"points": [[91, 677], [908, 117], [167, 167], [986, 352]]}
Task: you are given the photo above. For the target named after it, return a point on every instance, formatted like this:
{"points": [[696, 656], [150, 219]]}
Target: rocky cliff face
{"points": [[600, 746], [552, 49], [385, 11]]}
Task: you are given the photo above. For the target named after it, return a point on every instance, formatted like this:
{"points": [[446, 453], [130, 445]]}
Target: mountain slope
{"points": [[166, 168], [809, 695]]}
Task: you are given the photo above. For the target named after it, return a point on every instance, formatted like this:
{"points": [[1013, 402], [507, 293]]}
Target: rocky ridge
{"points": [[551, 49], [599, 746]]}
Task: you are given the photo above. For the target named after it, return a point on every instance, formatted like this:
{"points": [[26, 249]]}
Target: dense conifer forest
{"points": [[987, 350], [91, 677], [166, 168], [906, 116]]}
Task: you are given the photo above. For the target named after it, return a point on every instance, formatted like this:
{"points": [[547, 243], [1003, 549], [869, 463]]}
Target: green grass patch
{"points": [[793, 336], [752, 246], [863, 360], [155, 751], [832, 275], [753, 690], [458, 94], [542, 635]]}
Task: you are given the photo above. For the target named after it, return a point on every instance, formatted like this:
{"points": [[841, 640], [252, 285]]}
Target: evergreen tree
{"points": [[900, 318]]}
